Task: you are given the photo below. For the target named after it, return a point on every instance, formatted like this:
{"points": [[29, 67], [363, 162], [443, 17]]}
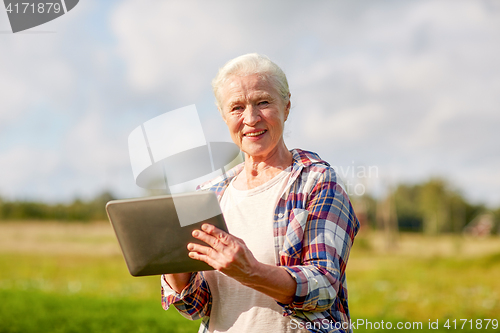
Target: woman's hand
{"points": [[229, 255], [225, 253]]}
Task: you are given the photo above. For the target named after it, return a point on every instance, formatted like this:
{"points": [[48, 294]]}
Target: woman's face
{"points": [[255, 114]]}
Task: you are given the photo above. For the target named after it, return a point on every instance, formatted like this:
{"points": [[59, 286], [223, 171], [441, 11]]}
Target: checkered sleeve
{"points": [[317, 246], [194, 301]]}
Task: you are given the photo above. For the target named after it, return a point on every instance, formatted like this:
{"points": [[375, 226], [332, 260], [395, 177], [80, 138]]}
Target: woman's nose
{"points": [[251, 115]]}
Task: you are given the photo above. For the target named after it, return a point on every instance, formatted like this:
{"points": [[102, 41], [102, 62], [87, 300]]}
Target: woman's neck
{"points": [[259, 171]]}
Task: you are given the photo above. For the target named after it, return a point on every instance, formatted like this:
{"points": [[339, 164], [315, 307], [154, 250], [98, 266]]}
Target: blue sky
{"points": [[411, 88]]}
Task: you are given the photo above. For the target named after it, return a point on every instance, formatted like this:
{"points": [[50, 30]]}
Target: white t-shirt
{"points": [[249, 216]]}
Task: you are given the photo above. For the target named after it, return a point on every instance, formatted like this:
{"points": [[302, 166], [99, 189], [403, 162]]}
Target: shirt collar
{"points": [[301, 159]]}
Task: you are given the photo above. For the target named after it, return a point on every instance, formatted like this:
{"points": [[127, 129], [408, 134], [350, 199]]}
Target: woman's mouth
{"points": [[255, 133]]}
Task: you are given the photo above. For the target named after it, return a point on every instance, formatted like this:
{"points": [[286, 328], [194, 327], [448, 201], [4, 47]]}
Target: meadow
{"points": [[71, 277]]}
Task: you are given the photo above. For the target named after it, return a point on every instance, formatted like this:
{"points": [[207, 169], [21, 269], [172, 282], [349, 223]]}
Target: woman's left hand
{"points": [[225, 253]]}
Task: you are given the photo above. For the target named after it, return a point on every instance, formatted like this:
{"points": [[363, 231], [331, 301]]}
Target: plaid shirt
{"points": [[314, 229]]}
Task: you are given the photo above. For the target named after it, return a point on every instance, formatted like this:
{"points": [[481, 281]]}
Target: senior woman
{"points": [[282, 266]]}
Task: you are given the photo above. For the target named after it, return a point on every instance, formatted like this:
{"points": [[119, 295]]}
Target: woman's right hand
{"points": [[178, 281]]}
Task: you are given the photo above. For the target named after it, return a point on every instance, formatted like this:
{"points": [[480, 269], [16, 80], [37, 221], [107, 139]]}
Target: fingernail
{"points": [[204, 227], [195, 233]]}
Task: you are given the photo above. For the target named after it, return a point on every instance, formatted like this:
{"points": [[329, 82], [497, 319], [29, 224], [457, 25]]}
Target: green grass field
{"points": [[71, 278]]}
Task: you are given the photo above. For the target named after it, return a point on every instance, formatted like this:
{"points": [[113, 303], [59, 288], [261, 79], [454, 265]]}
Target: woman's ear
{"points": [[287, 107]]}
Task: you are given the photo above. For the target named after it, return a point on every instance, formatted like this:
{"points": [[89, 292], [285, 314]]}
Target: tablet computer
{"points": [[153, 232]]}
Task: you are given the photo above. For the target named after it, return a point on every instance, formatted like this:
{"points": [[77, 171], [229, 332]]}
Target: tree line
{"points": [[77, 210], [431, 207]]}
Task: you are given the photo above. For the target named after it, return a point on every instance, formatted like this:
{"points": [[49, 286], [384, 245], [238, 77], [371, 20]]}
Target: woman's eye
{"points": [[263, 102]]}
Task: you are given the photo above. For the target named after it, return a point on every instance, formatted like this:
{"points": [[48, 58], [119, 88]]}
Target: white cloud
{"points": [[167, 45], [412, 87], [350, 124], [23, 168], [33, 73]]}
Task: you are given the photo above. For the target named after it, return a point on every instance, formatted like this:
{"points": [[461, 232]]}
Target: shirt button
{"points": [[280, 215]]}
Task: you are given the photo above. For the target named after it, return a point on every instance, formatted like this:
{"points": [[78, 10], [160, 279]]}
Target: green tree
{"points": [[433, 207]]}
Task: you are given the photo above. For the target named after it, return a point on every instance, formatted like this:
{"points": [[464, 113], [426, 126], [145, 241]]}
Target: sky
{"points": [[385, 91]]}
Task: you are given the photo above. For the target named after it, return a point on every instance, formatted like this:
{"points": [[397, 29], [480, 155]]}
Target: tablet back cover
{"points": [[151, 237]]}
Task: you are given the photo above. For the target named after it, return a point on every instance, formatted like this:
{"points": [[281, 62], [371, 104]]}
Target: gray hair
{"points": [[249, 64]]}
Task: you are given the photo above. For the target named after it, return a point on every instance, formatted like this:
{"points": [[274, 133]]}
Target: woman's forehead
{"points": [[250, 86]]}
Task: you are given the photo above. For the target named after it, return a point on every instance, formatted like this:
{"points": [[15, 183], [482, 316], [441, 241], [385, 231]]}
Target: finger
{"points": [[202, 257], [218, 234], [203, 236], [212, 241], [201, 249], [209, 228]]}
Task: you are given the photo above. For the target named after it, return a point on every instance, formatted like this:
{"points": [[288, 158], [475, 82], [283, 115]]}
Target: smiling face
{"points": [[255, 114]]}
